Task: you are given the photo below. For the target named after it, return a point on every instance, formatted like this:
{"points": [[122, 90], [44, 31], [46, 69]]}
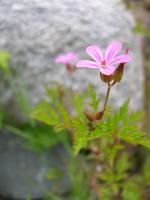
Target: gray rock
{"points": [[23, 172], [35, 31]]}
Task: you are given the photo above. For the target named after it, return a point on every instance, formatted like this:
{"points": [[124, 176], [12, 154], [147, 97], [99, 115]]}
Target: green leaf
{"points": [[54, 93], [106, 193], [78, 102], [123, 111], [134, 136], [122, 164], [40, 137], [80, 131], [79, 175], [63, 113], [94, 100], [131, 191], [108, 176], [80, 142], [4, 62], [62, 126], [126, 126], [45, 113], [99, 132]]}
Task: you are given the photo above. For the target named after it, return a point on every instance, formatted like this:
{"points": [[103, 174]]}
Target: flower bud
{"points": [[69, 68], [118, 73], [106, 78], [89, 116], [99, 115]]}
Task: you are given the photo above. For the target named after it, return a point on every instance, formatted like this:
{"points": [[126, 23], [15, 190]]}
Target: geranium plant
{"points": [[103, 137]]}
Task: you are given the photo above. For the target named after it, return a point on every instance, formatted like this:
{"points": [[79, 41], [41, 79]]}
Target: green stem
{"points": [[106, 98]]}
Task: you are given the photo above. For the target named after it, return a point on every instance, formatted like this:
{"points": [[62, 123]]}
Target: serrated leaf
{"points": [[62, 126], [80, 141], [94, 100], [96, 134], [63, 113], [44, 113], [78, 103], [136, 138]]}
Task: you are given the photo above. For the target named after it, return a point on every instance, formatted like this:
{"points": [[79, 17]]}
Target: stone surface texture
{"points": [[35, 31], [24, 172]]}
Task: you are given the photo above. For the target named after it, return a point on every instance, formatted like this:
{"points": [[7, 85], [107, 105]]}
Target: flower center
{"points": [[103, 63]]}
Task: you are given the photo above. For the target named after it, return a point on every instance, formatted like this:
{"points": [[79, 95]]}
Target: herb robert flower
{"points": [[65, 58], [104, 63]]}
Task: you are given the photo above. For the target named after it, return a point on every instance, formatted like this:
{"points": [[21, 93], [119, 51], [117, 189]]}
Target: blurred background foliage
{"points": [[39, 136]]}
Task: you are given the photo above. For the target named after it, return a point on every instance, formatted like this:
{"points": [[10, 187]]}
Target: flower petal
{"points": [[107, 70], [65, 58], [87, 63], [70, 56], [95, 53], [121, 59], [59, 59], [112, 50]]}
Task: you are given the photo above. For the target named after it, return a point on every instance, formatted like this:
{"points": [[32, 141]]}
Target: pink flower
{"points": [[104, 63], [65, 58]]}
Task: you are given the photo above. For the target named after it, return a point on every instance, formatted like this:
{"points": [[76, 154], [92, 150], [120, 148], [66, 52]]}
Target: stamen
{"points": [[103, 63]]}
